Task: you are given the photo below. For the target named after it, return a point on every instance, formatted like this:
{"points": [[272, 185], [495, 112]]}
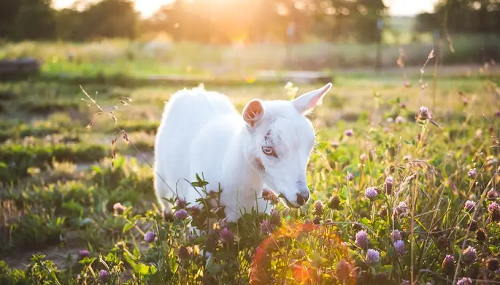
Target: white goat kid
{"points": [[268, 145]]}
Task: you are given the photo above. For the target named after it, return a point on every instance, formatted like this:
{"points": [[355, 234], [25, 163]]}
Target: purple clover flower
{"points": [[348, 132], [226, 235], [181, 214], [472, 173], [399, 246], [464, 281], [469, 254], [371, 193], [470, 206], [104, 275], [150, 237], [362, 239], [372, 256], [395, 235]]}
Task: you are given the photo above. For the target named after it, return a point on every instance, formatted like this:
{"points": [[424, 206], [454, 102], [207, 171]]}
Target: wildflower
{"points": [[226, 235], [494, 210], [424, 114], [180, 203], [401, 210], [104, 275], [119, 208], [464, 281], [492, 264], [449, 264], [318, 208], [399, 120], [395, 235], [82, 253], [334, 202], [472, 225], [405, 282], [497, 114], [399, 246], [442, 242], [372, 256], [383, 211], [389, 182], [184, 252], [266, 227], [492, 195], [348, 132], [362, 239], [275, 218], [480, 235], [363, 157], [371, 193], [343, 270], [150, 237], [349, 177], [194, 211], [470, 206], [335, 144], [469, 255], [270, 196], [181, 214], [317, 220], [472, 173]]}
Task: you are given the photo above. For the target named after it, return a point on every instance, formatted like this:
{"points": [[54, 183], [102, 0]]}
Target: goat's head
{"points": [[279, 142]]}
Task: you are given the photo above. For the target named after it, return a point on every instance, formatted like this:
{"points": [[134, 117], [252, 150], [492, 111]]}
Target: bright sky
{"points": [[396, 7]]}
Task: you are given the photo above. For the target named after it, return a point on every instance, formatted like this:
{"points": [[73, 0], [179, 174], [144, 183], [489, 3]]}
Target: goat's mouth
{"points": [[288, 203]]}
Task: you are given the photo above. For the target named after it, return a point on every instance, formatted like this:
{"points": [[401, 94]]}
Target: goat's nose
{"points": [[302, 198]]}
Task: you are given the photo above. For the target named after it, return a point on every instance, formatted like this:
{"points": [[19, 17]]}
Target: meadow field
{"points": [[404, 182]]}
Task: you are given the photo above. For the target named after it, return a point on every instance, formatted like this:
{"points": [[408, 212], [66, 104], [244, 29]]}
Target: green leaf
{"points": [[213, 267], [127, 227], [365, 221], [343, 193]]}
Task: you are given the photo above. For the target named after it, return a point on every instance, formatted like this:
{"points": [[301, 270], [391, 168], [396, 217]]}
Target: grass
{"points": [[74, 213]]}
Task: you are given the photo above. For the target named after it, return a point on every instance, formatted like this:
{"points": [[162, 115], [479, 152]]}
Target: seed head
{"points": [[401, 210], [399, 246], [480, 235], [472, 225], [194, 211], [492, 264], [470, 206], [226, 235], [181, 214], [150, 237], [424, 114], [389, 182], [372, 256], [449, 264], [469, 255], [317, 220], [184, 252], [104, 275], [318, 208], [362, 239], [492, 195], [270, 196], [181, 203], [371, 193], [334, 202], [472, 173], [494, 210], [464, 281], [395, 235]]}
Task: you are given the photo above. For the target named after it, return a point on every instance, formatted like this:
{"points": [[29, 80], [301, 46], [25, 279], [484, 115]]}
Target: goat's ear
{"points": [[309, 100], [253, 112]]}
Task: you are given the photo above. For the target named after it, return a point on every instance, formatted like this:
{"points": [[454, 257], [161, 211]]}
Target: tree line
{"points": [[225, 21]]}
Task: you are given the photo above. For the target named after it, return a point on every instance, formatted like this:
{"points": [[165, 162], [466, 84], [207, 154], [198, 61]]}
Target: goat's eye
{"points": [[269, 151]]}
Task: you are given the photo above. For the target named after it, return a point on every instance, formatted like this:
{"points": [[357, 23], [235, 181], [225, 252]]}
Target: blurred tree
{"points": [[109, 18], [27, 19], [462, 16]]}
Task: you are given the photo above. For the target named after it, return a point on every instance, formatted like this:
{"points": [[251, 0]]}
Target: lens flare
{"points": [[302, 253]]}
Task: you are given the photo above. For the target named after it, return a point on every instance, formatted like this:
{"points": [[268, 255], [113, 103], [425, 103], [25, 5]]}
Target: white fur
{"points": [[201, 132]]}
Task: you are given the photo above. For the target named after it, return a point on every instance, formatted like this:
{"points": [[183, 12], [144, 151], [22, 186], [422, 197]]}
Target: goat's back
{"points": [[186, 116]]}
